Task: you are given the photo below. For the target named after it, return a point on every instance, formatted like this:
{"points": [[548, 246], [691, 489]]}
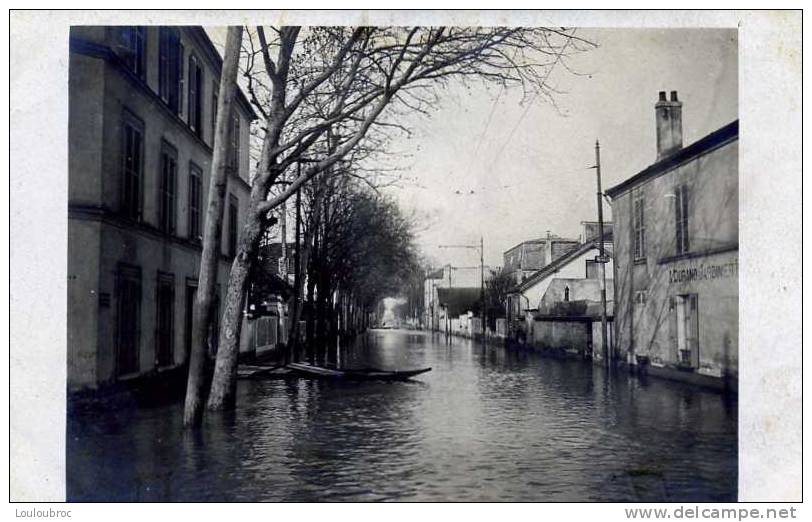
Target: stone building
{"points": [[526, 258], [142, 103], [557, 306], [676, 241]]}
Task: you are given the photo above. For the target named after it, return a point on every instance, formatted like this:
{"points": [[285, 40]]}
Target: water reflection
{"points": [[485, 424]]}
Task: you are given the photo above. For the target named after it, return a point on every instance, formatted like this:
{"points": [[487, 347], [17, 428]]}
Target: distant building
{"points": [[565, 294], [271, 285], [448, 276], [457, 306], [676, 254], [526, 258], [142, 104], [591, 230]]}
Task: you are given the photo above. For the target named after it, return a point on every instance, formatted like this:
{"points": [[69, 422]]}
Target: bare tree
{"points": [[202, 310], [345, 79]]}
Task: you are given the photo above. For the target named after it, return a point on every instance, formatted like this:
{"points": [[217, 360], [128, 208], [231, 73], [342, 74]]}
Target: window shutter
{"points": [[181, 79]]}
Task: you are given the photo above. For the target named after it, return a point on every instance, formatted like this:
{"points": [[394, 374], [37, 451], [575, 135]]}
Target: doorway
{"points": [[687, 323]]}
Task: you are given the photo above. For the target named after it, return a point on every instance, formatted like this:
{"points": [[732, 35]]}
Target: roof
{"points": [[458, 300], [553, 238], [713, 140], [556, 265]]}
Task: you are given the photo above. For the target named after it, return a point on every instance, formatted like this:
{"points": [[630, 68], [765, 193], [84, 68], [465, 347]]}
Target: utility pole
{"points": [[482, 283], [602, 258], [294, 333]]}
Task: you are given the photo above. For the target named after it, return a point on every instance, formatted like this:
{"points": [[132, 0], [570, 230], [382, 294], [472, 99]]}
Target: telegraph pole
{"points": [[297, 272], [482, 283], [603, 259]]}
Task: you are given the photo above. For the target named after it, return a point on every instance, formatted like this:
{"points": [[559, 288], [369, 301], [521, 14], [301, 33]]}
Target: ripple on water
{"points": [[485, 424]]}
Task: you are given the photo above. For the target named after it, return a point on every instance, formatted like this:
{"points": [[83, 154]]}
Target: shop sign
{"points": [[703, 272]]}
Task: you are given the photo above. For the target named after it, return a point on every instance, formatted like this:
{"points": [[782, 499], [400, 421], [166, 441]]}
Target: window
{"points": [[639, 227], [128, 289], [214, 92], [169, 169], [165, 299], [195, 195], [132, 166], [640, 297], [195, 93], [129, 44], [232, 225], [234, 144], [681, 219], [170, 67], [591, 269]]}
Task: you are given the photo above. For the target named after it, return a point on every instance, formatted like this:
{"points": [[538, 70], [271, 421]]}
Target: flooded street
{"points": [[486, 424]]}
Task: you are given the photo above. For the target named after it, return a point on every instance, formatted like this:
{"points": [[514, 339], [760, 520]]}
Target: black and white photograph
{"points": [[412, 256]]}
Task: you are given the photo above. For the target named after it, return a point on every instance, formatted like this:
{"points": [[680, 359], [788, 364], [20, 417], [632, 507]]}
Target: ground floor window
{"points": [[164, 349], [128, 321]]}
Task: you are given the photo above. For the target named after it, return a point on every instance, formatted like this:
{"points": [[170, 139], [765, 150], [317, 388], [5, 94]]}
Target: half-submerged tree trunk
{"points": [[224, 383], [201, 315]]}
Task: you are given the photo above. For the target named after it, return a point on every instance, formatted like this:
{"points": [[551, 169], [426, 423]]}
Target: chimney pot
{"points": [[668, 116]]}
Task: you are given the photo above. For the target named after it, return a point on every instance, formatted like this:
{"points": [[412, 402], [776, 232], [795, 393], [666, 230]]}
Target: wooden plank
{"points": [[315, 370]]}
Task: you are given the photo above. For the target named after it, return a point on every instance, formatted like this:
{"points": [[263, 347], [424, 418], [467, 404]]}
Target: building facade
{"points": [[676, 255], [448, 276], [142, 106], [526, 258], [564, 291]]}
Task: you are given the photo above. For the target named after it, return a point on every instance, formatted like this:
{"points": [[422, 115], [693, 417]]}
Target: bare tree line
{"points": [[330, 96]]}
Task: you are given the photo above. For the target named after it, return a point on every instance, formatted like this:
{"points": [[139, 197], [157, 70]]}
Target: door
{"points": [[191, 291], [687, 323], [128, 320], [164, 348]]}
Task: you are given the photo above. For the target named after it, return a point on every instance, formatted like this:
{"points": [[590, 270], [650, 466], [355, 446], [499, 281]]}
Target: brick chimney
{"points": [[669, 125]]}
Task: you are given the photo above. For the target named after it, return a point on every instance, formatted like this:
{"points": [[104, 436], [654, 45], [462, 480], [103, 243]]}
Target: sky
{"points": [[528, 165]]}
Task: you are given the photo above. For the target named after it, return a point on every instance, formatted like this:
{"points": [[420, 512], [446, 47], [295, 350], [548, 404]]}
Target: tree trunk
{"points": [[201, 315], [224, 384]]}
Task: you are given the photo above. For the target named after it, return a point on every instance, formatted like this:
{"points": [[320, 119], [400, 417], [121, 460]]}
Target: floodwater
{"points": [[486, 424]]}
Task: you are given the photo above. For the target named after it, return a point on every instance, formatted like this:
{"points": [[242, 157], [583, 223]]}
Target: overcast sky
{"points": [[527, 164]]}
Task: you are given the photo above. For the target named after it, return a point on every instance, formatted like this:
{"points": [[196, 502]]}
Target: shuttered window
{"points": [[639, 226], [170, 67], [232, 225], [130, 45], [195, 201], [132, 161], [234, 144], [681, 219], [195, 83], [168, 188]]}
